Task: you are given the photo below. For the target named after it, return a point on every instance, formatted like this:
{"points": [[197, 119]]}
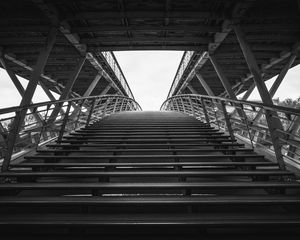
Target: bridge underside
{"points": [[97, 26]]}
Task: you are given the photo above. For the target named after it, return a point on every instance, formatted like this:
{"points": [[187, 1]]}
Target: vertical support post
{"points": [[227, 120], [183, 105], [29, 92], [63, 126], [79, 113], [192, 106], [205, 111], [271, 116], [115, 106], [90, 112]]}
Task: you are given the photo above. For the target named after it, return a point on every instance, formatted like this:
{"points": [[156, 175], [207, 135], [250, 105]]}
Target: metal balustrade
{"points": [[185, 61], [113, 63], [251, 122], [40, 127]]}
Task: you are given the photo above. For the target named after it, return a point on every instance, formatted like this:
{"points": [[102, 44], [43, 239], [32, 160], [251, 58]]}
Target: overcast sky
{"points": [[149, 74]]}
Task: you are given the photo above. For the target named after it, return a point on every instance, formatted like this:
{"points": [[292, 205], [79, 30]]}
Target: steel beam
{"points": [[192, 90], [277, 82], [92, 85], [271, 116], [51, 12], [67, 90], [29, 92], [204, 84], [248, 92], [224, 80], [49, 95], [19, 87], [106, 89]]}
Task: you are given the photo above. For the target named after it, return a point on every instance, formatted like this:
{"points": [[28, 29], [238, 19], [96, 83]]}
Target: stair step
{"points": [[145, 164], [154, 140], [150, 137], [151, 220], [150, 144], [144, 150], [146, 200], [100, 133], [143, 156], [139, 173], [229, 185]]}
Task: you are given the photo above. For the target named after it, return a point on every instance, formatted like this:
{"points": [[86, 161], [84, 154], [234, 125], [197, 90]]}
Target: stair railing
{"points": [[36, 129], [250, 122]]}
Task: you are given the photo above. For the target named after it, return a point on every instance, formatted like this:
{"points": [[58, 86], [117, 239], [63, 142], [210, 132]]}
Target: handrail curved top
{"points": [[256, 104]]}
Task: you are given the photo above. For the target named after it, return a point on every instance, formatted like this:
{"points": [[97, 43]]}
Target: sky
{"points": [[149, 75]]}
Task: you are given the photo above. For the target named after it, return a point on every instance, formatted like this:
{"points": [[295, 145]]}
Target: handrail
{"points": [[256, 104], [74, 113], [18, 108], [261, 132]]}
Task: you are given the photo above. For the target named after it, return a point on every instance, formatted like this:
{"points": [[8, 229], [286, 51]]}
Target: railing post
{"points": [[192, 106], [79, 113], [182, 102], [65, 120], [115, 106], [227, 120], [275, 139], [205, 111], [90, 113]]}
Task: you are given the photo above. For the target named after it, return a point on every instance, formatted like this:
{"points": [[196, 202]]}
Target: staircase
{"points": [[148, 174]]}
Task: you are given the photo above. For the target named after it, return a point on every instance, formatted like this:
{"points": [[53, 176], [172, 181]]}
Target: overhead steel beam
{"points": [[143, 28], [51, 12], [283, 56], [56, 85], [238, 12], [28, 94], [89, 15]]}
